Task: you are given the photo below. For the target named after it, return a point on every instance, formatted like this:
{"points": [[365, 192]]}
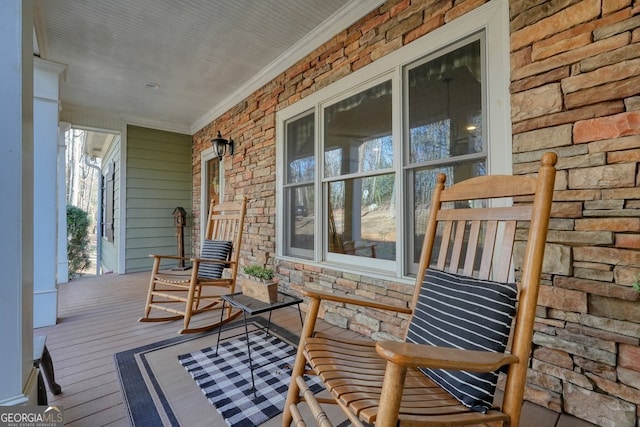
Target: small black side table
{"points": [[252, 307]]}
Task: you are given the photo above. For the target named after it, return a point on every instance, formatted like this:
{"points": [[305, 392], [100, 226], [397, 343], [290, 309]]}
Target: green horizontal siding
{"points": [[147, 203], [167, 176], [150, 183], [166, 162], [147, 222], [141, 233], [177, 196], [159, 179]]}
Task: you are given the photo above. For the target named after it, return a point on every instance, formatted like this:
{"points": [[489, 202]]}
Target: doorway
{"points": [[85, 151]]}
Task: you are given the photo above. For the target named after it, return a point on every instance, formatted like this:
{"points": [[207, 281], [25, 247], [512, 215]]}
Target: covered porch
{"points": [[98, 318]]}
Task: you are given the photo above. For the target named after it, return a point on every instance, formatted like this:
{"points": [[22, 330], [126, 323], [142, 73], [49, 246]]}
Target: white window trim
{"points": [[493, 19]]}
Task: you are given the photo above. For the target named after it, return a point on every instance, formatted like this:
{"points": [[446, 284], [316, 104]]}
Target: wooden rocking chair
{"points": [[434, 377], [187, 295]]}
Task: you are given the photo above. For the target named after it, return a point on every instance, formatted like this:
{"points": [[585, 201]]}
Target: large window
{"points": [[357, 161], [359, 176]]}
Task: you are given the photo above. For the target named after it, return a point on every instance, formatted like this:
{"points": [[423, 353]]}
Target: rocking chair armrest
{"points": [[426, 356], [212, 261], [168, 256], [352, 299]]}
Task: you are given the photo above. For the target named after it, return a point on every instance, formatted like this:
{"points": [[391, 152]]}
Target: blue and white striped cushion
{"points": [[463, 312], [213, 249]]}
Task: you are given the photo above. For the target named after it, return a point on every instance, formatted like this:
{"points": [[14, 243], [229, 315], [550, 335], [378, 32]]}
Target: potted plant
{"points": [[259, 272], [259, 283]]}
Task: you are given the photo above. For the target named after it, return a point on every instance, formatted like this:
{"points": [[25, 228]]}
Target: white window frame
{"points": [[493, 19]]}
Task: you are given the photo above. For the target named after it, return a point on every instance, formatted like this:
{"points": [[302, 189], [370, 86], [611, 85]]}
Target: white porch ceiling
{"points": [[205, 55]]}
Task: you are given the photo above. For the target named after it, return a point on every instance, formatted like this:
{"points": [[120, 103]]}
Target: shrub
{"points": [[77, 240]]}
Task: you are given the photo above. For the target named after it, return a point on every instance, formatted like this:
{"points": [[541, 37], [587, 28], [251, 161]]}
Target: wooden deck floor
{"points": [[98, 318]]}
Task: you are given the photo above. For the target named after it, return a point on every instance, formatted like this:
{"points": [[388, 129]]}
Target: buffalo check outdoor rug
{"points": [[225, 377], [158, 391]]}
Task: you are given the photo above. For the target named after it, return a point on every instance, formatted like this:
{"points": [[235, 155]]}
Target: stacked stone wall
{"points": [[575, 90], [575, 84]]}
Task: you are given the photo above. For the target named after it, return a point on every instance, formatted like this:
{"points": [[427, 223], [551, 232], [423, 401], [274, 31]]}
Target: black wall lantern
{"points": [[220, 145]]}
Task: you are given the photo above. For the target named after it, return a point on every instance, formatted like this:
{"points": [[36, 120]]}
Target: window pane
{"points": [[444, 122], [445, 106], [301, 164], [300, 221], [361, 217], [213, 182], [424, 182], [357, 133]]}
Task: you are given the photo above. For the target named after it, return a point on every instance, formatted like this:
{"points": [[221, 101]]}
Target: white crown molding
{"points": [[341, 19]]}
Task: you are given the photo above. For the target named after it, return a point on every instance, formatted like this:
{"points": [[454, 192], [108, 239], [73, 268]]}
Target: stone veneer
{"points": [[575, 81], [575, 84]]}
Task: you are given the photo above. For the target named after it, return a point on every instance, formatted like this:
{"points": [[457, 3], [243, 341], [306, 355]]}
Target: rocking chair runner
{"points": [[433, 378], [185, 296]]}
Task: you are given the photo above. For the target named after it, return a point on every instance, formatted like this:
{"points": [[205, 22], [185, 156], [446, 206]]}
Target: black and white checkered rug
{"points": [[225, 378]]}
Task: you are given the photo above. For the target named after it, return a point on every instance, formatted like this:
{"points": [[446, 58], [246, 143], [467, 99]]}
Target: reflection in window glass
{"points": [[299, 193], [357, 140], [445, 129], [357, 133], [301, 170], [376, 154], [300, 150], [430, 141], [424, 182], [361, 217], [301, 218], [332, 162], [445, 106]]}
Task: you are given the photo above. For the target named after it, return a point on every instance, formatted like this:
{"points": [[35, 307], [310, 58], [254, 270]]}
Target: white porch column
{"points": [[17, 375], [62, 270], [46, 80]]}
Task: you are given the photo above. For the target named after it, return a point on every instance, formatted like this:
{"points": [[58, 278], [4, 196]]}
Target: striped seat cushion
{"points": [[213, 249], [467, 313]]}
